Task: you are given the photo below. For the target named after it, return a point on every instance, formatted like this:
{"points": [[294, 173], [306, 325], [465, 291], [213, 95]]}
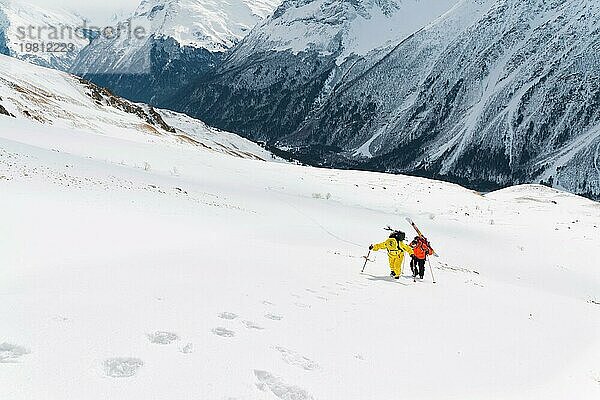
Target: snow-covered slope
{"points": [[57, 100], [183, 40], [215, 26], [16, 18], [214, 277], [342, 27]]}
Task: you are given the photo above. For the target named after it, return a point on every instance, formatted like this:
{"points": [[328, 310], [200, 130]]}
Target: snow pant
{"points": [[417, 267], [396, 263]]}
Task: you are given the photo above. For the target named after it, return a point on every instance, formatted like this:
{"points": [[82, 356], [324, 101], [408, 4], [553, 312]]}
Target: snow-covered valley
{"points": [[139, 266]]}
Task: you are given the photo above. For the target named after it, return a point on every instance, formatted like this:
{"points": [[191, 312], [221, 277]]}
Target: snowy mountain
{"points": [[488, 94], [32, 96], [183, 40], [340, 28], [214, 26], [135, 267], [146, 255], [48, 26], [510, 98], [270, 81]]}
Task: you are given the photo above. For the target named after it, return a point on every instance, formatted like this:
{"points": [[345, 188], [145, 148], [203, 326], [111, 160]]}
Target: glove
{"points": [[371, 247]]}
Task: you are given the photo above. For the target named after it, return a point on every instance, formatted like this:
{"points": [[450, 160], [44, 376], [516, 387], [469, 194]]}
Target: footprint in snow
{"points": [[228, 315], [162, 337], [61, 319], [342, 287], [473, 282], [122, 367], [252, 325], [274, 317], [296, 359], [311, 290], [279, 388], [223, 332], [10, 353], [187, 349], [302, 305]]}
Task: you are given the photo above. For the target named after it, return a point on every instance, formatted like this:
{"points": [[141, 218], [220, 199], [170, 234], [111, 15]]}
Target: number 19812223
{"points": [[50, 47]]}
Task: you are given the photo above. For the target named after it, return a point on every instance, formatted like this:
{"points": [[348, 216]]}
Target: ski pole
{"points": [[366, 261], [431, 269]]}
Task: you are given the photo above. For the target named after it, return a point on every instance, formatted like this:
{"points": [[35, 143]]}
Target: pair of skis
{"points": [[416, 228]]}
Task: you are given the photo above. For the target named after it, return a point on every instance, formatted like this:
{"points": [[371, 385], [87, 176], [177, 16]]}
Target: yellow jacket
{"points": [[394, 248]]}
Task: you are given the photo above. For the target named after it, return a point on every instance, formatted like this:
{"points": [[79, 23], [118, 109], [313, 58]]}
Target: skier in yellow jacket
{"points": [[395, 247]]}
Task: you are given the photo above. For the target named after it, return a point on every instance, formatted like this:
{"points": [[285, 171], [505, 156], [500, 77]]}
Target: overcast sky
{"points": [[99, 11]]}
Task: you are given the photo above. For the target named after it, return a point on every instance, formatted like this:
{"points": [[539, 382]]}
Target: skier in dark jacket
{"points": [[421, 249]]}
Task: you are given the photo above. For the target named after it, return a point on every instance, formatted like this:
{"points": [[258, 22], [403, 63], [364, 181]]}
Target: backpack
{"points": [[398, 235], [421, 248]]}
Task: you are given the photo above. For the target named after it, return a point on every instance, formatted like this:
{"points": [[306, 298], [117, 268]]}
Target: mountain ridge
{"points": [[460, 99], [184, 40], [15, 19], [51, 100]]}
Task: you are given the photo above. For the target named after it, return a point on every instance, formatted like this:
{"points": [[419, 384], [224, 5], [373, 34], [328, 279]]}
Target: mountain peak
{"points": [[214, 26], [347, 26], [25, 27]]}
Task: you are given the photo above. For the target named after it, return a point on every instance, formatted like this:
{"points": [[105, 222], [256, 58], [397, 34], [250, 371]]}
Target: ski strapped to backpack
{"points": [[412, 223]]}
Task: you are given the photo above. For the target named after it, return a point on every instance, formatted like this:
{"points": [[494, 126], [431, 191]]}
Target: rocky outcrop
{"points": [[3, 110], [103, 96]]}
